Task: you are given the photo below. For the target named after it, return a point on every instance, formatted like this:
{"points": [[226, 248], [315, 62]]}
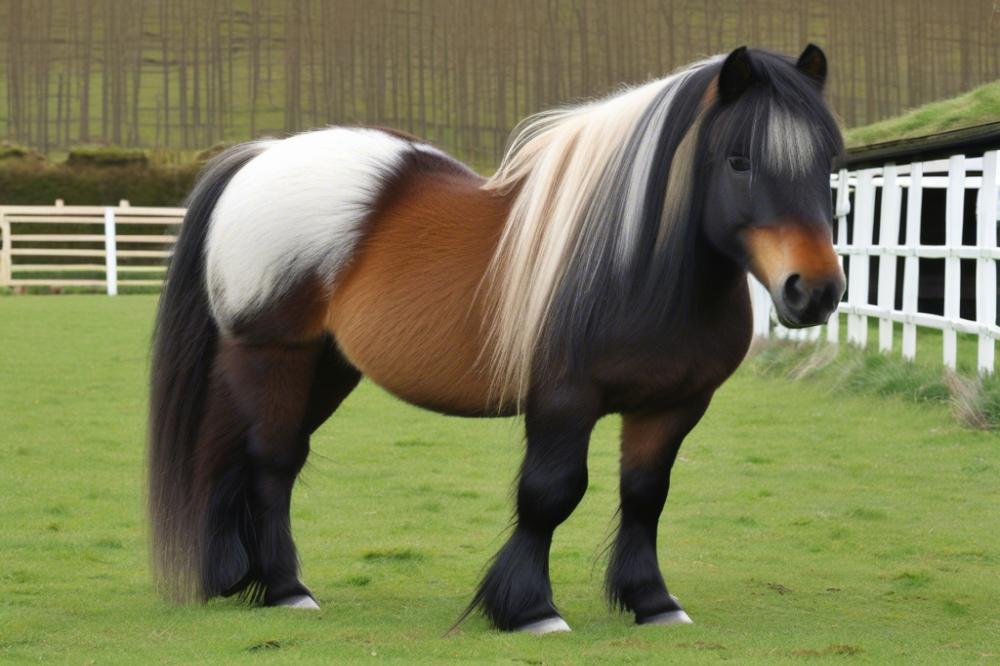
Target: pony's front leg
{"points": [[650, 442], [516, 594]]}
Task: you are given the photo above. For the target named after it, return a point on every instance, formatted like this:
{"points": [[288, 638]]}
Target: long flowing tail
{"points": [[184, 346]]}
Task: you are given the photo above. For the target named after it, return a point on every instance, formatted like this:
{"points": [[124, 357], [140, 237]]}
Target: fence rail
{"points": [[49, 246], [872, 200]]}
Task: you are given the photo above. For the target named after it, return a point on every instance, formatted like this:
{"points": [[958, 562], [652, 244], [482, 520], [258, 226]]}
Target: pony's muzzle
{"points": [[797, 263], [803, 301]]}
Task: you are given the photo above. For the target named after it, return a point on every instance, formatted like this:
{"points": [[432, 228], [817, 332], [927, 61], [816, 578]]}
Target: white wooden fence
{"points": [[955, 176], [131, 244]]}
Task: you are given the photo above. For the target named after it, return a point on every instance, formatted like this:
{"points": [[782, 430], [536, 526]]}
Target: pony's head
{"points": [[768, 143]]}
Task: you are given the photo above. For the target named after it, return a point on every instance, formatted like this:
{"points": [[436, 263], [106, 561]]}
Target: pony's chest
{"points": [[657, 374]]}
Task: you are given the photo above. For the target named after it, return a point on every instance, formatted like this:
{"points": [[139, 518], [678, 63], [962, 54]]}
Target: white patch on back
{"points": [[295, 209], [791, 144]]}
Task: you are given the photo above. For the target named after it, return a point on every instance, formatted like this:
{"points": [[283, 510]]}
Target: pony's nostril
{"points": [[828, 297], [795, 296]]}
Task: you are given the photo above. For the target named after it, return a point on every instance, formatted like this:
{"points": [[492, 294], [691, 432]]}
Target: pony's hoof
{"points": [[303, 601], [670, 617], [550, 625]]}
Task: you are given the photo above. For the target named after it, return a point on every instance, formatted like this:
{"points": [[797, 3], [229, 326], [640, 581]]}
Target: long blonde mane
{"points": [[556, 165]]}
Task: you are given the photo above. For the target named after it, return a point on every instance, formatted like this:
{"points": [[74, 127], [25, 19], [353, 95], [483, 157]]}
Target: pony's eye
{"points": [[738, 163]]}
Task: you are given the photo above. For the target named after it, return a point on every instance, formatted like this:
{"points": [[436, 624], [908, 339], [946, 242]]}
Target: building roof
{"points": [[972, 140]]}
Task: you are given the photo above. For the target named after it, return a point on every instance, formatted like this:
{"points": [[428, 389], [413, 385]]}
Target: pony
{"points": [[601, 269]]}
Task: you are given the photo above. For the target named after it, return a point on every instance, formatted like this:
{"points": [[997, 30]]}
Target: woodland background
{"points": [[186, 74]]}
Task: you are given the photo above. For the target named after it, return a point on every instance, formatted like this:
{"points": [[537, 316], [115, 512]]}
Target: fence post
{"points": [[986, 267], [5, 253], [760, 303], [954, 212], [110, 251], [911, 266], [888, 240], [841, 210], [864, 213]]}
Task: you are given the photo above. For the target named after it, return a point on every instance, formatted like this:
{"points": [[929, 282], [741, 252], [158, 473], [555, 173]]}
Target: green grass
{"points": [[976, 107], [929, 345], [804, 525], [974, 401]]}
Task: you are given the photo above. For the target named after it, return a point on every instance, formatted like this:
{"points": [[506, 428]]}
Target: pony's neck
{"points": [[716, 275], [706, 285]]}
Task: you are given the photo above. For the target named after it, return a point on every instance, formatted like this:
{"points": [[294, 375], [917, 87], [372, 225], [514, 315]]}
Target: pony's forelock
{"points": [[791, 143], [782, 124]]}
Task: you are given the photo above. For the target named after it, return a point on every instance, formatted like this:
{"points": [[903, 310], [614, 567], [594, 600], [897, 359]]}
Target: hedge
{"points": [[93, 176], [107, 156]]}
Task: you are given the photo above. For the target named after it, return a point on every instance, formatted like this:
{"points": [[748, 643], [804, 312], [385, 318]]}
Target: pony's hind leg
{"points": [[649, 447], [516, 593], [282, 392]]}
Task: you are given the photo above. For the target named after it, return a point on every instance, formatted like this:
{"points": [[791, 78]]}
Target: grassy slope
{"points": [[801, 525], [976, 107]]}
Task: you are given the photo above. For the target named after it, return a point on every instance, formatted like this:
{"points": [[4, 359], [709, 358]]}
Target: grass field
{"points": [[804, 526]]}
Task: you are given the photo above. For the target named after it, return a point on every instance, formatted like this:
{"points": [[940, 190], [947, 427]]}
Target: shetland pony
{"points": [[602, 269]]}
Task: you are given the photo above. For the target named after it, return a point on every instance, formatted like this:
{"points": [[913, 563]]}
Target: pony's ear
{"points": [[812, 63], [736, 75]]}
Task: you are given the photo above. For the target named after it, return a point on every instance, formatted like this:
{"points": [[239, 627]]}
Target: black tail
{"points": [[184, 345]]}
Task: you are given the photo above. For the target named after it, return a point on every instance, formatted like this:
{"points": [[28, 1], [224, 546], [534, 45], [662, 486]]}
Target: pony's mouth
{"points": [[812, 315], [793, 323]]}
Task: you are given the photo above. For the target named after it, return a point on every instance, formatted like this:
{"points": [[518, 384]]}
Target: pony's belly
{"points": [[408, 312], [407, 315], [410, 354], [415, 348]]}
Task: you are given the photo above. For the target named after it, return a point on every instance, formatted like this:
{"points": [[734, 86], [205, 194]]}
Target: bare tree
{"points": [[458, 71]]}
